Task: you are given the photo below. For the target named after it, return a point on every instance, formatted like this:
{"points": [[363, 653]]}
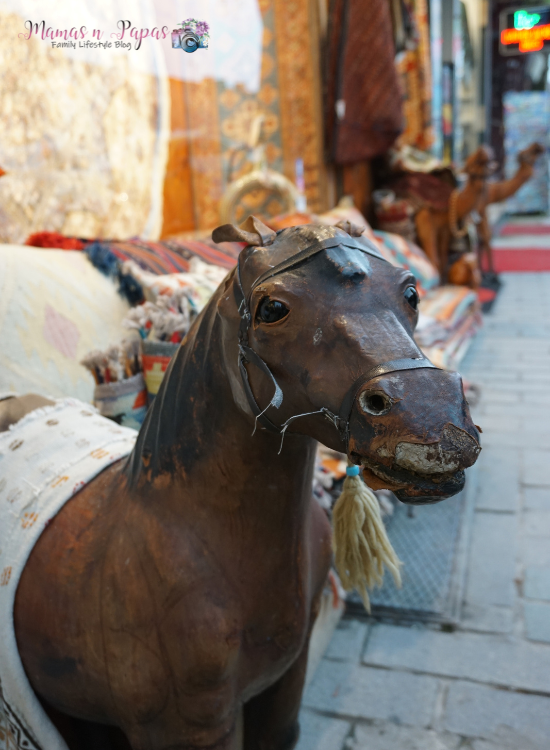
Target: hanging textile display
{"points": [[363, 112], [414, 69], [266, 76]]}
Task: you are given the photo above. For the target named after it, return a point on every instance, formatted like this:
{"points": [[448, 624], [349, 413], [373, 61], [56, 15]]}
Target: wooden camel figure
{"points": [[435, 228], [168, 605], [495, 192]]}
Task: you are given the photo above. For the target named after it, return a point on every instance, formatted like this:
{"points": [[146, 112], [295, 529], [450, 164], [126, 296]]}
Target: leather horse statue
{"points": [[168, 605]]}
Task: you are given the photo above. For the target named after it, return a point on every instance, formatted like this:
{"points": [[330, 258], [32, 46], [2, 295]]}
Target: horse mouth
{"points": [[411, 486]]}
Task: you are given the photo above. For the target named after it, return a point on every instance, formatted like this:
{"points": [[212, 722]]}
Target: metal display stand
{"points": [[432, 541]]}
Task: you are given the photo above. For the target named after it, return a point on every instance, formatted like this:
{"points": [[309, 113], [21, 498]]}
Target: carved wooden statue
{"points": [[436, 228], [495, 192], [441, 224], [168, 605]]}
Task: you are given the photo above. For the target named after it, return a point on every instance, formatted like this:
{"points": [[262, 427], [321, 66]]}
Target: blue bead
{"points": [[353, 471]]}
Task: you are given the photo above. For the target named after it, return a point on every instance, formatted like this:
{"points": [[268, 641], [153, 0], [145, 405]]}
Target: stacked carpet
{"points": [[449, 319]]}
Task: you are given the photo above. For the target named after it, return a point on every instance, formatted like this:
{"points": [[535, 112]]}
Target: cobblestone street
{"points": [[485, 686]]}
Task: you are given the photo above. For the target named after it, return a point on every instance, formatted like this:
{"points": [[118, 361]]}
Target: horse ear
{"points": [[231, 233], [252, 231], [252, 224], [352, 229]]}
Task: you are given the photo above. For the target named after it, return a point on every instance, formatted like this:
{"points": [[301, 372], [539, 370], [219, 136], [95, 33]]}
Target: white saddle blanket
{"points": [[44, 460]]}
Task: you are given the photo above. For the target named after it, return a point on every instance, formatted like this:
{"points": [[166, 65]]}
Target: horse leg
{"points": [[86, 735], [443, 241], [426, 232], [485, 232], [15, 408], [271, 718]]}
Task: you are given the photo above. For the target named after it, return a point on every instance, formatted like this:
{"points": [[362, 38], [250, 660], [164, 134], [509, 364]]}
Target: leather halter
{"points": [[248, 355]]}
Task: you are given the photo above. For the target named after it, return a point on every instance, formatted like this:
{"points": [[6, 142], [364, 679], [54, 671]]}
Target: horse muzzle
{"points": [[412, 433]]}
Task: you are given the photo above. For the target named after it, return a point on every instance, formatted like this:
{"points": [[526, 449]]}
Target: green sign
{"points": [[525, 20]]}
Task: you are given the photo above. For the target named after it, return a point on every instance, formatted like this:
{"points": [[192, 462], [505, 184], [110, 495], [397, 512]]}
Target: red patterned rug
{"points": [[524, 259], [513, 229]]}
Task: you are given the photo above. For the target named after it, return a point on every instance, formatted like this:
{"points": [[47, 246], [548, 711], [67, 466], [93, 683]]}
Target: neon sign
{"points": [[525, 20], [524, 30]]}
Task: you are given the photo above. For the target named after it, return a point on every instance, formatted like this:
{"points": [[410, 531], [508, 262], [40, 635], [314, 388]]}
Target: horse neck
{"points": [[195, 435]]}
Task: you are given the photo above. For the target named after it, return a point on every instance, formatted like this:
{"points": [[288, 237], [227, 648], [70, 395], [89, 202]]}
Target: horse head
{"points": [[318, 331]]}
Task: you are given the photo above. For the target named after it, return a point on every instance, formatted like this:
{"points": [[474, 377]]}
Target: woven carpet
{"points": [[532, 251], [513, 229], [521, 259]]}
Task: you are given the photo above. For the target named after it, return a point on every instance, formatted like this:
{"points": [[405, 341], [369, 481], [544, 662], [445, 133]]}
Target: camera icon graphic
{"points": [[191, 35]]}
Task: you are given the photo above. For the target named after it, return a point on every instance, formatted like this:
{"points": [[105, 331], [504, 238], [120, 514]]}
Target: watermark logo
{"points": [[191, 35]]}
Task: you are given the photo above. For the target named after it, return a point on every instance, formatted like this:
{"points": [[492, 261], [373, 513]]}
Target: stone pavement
{"points": [[485, 686]]}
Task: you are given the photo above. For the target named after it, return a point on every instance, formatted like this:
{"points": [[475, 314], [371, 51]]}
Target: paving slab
{"points": [[534, 551], [491, 566], [321, 732], [530, 441], [518, 409], [353, 691], [536, 498], [348, 640], [394, 737], [501, 423], [500, 395], [537, 375], [496, 378], [498, 479], [539, 397], [536, 467], [536, 583], [537, 621], [494, 659], [487, 619], [486, 713], [507, 740], [536, 523]]}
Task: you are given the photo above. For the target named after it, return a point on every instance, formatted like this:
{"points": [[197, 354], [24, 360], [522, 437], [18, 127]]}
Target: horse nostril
{"points": [[375, 402]]}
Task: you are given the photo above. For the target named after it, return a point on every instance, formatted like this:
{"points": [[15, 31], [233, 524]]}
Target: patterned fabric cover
{"points": [[449, 318], [45, 459], [401, 252], [166, 257], [54, 308]]}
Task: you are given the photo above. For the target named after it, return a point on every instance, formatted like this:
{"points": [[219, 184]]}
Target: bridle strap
{"points": [[309, 252], [248, 355], [393, 365], [243, 301]]}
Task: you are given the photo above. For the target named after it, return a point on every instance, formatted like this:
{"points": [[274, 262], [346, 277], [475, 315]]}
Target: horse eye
{"points": [[411, 295], [271, 310]]}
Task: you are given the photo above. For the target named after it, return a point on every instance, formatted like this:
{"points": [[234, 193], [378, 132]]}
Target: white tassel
{"points": [[360, 542]]}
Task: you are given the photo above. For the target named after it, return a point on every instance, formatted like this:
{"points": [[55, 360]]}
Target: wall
{"points": [[83, 139], [145, 142]]}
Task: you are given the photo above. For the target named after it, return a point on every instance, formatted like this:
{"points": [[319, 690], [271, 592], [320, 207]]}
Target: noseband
{"points": [[248, 355]]}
